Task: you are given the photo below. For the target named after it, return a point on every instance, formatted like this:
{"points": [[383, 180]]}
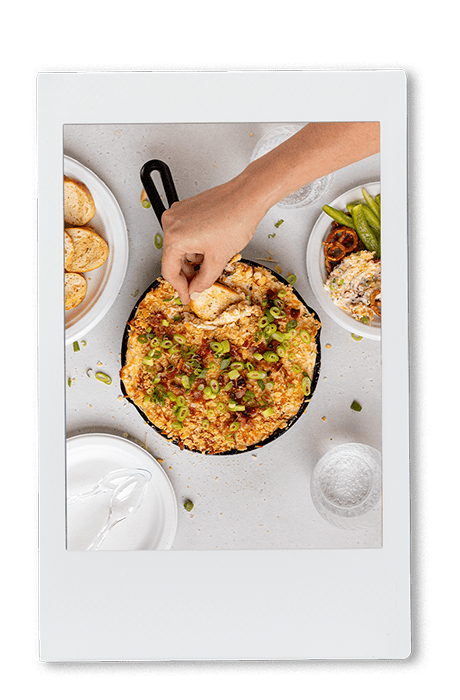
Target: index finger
{"points": [[171, 269]]}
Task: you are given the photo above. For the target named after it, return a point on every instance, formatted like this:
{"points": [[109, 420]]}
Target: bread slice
{"points": [[213, 301], [75, 289], [69, 249], [79, 207], [90, 250]]}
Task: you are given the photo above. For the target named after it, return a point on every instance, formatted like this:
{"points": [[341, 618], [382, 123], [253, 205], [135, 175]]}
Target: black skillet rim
{"points": [[279, 431]]}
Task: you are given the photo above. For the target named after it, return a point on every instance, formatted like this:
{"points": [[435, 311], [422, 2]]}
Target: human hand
{"points": [[207, 229]]}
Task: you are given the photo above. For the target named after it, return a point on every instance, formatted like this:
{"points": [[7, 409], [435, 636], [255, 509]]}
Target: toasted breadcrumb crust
{"points": [[209, 399]]}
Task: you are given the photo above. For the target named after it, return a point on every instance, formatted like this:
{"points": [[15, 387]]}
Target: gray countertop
{"points": [[260, 499]]}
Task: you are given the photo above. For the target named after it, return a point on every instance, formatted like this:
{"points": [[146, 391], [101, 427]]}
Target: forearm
{"points": [[315, 151]]}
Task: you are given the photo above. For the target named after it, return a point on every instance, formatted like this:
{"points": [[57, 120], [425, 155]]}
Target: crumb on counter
{"points": [[328, 345]]}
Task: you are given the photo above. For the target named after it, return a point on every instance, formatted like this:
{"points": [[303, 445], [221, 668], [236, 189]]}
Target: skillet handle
{"points": [[152, 192]]}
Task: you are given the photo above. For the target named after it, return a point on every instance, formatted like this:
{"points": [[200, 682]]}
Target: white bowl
{"points": [[316, 265]]}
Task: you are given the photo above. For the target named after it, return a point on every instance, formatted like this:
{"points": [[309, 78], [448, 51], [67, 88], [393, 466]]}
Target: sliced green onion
{"points": [[165, 322], [249, 366], [270, 356], [234, 426], [306, 385], [263, 322], [278, 223], [282, 293], [182, 413], [225, 362], [225, 346], [205, 423], [270, 329], [207, 391], [185, 381], [177, 425], [215, 346], [178, 301], [305, 336], [296, 369], [257, 374], [291, 325], [290, 388], [276, 312], [103, 377], [234, 374], [268, 412], [261, 384], [355, 406], [356, 337], [221, 406], [179, 338], [228, 386], [172, 396], [210, 413], [281, 351], [214, 384], [269, 386], [269, 316], [69, 382], [292, 279], [76, 346], [147, 361], [237, 365], [278, 336], [166, 343], [180, 400], [258, 356], [158, 241], [142, 338], [188, 505]]}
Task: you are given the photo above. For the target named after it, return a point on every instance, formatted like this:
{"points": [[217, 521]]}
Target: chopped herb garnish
{"points": [[158, 241], [355, 406], [104, 377], [278, 223], [76, 346]]}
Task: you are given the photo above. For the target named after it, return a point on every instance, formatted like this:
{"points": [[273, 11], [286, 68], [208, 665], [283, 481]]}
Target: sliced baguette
{"points": [[213, 301], [79, 207], [75, 289], [90, 250], [69, 249]]}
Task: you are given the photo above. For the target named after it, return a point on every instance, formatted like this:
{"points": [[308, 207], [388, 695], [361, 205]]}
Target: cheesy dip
{"points": [[225, 384]]}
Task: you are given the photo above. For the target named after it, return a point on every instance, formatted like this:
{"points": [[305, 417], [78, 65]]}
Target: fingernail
{"points": [[194, 295]]}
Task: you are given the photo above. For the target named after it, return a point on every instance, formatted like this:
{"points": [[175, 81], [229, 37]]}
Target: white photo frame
{"points": [[285, 604]]}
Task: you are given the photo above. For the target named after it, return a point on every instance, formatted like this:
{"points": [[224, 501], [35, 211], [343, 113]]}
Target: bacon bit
{"points": [[295, 313]]}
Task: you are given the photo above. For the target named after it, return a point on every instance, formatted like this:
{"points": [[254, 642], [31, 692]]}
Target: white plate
{"points": [[103, 283], [152, 526], [316, 266]]}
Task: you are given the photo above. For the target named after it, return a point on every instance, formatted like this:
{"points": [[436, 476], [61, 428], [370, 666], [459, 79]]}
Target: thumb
{"points": [[209, 272]]}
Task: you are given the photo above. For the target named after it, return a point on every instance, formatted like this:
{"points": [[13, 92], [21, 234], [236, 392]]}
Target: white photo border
{"points": [[224, 605]]}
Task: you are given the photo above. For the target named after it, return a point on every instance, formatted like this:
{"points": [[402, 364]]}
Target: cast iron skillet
{"points": [[159, 209]]}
